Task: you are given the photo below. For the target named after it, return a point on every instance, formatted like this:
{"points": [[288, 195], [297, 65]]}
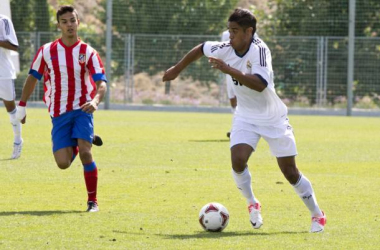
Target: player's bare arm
{"points": [[193, 55], [29, 85], [8, 45], [248, 80], [90, 107]]}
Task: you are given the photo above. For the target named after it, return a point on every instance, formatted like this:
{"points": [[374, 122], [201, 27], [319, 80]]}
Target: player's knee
{"points": [[63, 164], [239, 163], [14, 121], [85, 155], [292, 175]]}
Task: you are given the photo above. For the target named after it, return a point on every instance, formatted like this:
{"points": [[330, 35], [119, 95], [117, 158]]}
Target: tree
{"points": [[166, 17], [323, 18], [22, 14]]}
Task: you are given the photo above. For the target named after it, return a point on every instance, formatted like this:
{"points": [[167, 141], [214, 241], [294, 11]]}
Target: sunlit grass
{"points": [[156, 170]]}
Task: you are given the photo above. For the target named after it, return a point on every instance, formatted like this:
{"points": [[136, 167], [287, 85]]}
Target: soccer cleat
{"points": [[97, 141], [17, 147], [255, 215], [318, 223], [92, 206], [228, 134]]}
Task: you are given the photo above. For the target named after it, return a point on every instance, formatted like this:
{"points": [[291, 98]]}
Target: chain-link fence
{"points": [[308, 40]]}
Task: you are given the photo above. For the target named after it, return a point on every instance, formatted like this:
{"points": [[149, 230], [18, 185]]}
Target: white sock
{"points": [[16, 124], [243, 183], [305, 191]]}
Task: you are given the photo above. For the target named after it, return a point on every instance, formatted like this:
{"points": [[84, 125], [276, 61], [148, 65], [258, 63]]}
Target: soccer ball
{"points": [[214, 217]]}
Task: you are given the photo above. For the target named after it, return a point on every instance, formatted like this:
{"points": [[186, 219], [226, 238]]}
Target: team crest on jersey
{"points": [[82, 58], [249, 65]]}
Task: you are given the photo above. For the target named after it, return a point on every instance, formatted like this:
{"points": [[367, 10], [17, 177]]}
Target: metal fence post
{"points": [[325, 69], [167, 88], [319, 73], [351, 51], [108, 52]]}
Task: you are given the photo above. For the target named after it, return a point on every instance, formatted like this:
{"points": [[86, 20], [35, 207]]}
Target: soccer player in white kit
{"points": [[8, 42], [260, 112]]}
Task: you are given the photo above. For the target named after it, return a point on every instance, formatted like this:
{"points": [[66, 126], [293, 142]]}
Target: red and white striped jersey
{"points": [[67, 71]]}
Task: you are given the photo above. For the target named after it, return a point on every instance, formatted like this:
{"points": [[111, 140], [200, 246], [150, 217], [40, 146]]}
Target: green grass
{"points": [[156, 170]]}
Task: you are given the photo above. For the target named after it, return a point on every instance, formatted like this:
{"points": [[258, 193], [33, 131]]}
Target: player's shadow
{"points": [[209, 235], [40, 213], [222, 140]]}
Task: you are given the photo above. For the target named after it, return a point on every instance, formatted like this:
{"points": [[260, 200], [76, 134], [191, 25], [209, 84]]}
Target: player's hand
{"points": [[89, 107], [171, 74], [218, 64], [21, 114]]}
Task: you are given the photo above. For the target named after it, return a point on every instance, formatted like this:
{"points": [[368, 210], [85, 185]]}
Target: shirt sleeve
{"points": [[213, 49], [38, 66], [96, 68], [260, 67], [9, 31]]}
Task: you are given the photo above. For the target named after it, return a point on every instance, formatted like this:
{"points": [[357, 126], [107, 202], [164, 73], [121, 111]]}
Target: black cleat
{"points": [[92, 206], [97, 141], [228, 134]]}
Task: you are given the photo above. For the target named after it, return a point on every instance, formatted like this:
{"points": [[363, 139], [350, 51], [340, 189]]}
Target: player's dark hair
{"points": [[64, 9], [244, 18]]}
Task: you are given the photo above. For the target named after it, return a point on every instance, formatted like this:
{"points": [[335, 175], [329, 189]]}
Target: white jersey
{"points": [[7, 33], [260, 108]]}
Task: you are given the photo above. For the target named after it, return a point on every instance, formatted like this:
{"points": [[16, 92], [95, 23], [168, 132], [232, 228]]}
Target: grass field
{"points": [[156, 170]]}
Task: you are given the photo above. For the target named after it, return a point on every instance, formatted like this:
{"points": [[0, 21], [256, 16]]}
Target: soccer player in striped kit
{"points": [[75, 84], [260, 112], [9, 42]]}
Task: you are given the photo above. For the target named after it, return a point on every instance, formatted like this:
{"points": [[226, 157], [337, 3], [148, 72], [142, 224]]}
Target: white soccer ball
{"points": [[214, 217]]}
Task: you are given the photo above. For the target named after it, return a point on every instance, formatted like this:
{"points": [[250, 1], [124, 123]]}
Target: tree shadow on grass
{"points": [[222, 140], [40, 213], [211, 235]]}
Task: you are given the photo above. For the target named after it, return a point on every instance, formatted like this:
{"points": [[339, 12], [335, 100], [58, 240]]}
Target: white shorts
{"points": [[7, 90], [280, 138]]}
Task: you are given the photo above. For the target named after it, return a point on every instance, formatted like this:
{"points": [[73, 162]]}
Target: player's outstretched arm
{"points": [[29, 85], [90, 107], [193, 55]]}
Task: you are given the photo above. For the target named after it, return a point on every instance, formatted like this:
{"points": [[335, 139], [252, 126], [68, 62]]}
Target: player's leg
{"points": [[90, 174], [240, 154], [83, 131], [304, 189], [283, 145], [243, 142], [64, 146], [16, 126], [63, 157], [7, 93]]}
